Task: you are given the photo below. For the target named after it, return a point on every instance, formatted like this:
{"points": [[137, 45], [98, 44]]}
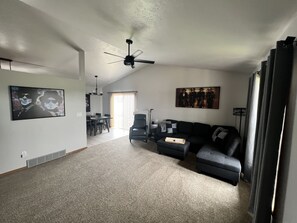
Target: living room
{"points": [[156, 88]]}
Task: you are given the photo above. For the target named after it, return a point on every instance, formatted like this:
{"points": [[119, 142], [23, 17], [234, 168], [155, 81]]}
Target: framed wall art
{"points": [[88, 103], [31, 102], [198, 97]]}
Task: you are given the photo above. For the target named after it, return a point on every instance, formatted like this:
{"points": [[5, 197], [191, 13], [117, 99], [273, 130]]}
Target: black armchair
{"points": [[139, 129]]}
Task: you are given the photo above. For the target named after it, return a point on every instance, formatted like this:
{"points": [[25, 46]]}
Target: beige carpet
{"points": [[120, 182]]}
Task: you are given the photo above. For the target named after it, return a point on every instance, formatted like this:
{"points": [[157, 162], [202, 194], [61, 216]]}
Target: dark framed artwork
{"points": [[31, 102], [198, 97], [88, 105]]}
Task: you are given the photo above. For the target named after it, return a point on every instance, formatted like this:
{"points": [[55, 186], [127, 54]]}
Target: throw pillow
{"points": [[171, 128], [163, 126], [219, 135]]}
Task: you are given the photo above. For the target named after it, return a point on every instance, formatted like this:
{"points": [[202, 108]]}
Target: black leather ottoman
{"points": [[173, 149], [212, 161]]}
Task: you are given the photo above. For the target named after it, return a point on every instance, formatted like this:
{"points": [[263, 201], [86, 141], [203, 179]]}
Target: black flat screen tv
{"points": [[33, 102]]}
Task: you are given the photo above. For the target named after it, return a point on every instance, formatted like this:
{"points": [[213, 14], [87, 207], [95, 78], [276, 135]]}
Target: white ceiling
{"points": [[232, 35]]}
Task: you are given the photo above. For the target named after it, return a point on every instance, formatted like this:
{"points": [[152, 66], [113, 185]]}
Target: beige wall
{"points": [[40, 136], [156, 86]]}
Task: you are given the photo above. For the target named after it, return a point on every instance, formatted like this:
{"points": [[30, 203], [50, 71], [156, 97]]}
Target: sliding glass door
{"points": [[122, 110]]}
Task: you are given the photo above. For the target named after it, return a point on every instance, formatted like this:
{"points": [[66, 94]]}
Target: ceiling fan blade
{"points": [[116, 61], [137, 53], [114, 55], [145, 61]]}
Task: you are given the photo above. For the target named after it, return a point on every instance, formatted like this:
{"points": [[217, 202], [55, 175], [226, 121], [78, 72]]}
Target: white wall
{"points": [[156, 86], [40, 136], [96, 104]]}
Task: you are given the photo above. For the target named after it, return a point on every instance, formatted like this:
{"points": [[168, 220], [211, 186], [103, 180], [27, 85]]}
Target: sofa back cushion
{"points": [[171, 121], [200, 129], [185, 127], [232, 143]]}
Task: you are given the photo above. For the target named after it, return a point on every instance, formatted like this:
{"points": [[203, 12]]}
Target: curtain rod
{"points": [[121, 92]]}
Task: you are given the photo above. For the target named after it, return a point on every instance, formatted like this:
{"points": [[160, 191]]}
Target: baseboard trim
{"points": [[13, 171], [25, 168], [76, 151]]}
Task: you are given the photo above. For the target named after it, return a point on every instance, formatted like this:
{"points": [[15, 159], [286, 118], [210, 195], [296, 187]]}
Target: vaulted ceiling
{"points": [[44, 36]]}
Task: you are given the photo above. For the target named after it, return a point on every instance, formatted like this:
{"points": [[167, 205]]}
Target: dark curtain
{"points": [[274, 90], [247, 118]]}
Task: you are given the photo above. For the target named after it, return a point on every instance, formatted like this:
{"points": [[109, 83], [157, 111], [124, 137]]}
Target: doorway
{"points": [[122, 107]]}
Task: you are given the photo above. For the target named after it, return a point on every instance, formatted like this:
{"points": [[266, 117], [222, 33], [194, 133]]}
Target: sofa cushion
{"points": [[171, 128], [210, 155], [139, 132], [185, 127], [197, 140], [200, 129]]}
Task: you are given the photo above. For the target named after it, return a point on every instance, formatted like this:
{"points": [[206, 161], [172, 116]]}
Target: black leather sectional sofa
{"points": [[216, 147]]}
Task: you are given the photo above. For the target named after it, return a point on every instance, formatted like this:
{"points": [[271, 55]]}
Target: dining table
{"points": [[98, 123]]}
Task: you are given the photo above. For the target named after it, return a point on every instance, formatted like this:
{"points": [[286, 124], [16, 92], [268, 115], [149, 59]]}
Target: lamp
{"points": [[239, 112], [96, 89]]}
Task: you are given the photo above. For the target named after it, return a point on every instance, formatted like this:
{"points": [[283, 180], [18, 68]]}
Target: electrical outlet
{"points": [[23, 154]]}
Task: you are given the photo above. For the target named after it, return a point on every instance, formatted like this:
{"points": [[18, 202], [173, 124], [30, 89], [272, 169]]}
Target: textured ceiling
{"points": [[223, 35]]}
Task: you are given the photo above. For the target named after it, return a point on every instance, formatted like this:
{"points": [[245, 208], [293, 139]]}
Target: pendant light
{"points": [[96, 89]]}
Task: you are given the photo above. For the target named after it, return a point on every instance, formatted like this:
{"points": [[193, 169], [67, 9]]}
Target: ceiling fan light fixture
{"points": [[129, 60]]}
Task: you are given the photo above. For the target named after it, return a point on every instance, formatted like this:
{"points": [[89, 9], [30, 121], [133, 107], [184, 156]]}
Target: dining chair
{"points": [[108, 120], [99, 123]]}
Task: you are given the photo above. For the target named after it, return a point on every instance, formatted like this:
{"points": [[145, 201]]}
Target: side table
{"points": [[153, 130]]}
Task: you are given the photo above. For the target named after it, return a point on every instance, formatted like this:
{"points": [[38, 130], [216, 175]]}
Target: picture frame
{"points": [[88, 102], [198, 97], [35, 102]]}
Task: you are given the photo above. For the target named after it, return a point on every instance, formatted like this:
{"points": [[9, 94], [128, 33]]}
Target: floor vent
{"points": [[45, 158]]}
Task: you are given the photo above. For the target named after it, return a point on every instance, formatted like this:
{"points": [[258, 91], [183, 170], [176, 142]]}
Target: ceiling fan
{"points": [[129, 60]]}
